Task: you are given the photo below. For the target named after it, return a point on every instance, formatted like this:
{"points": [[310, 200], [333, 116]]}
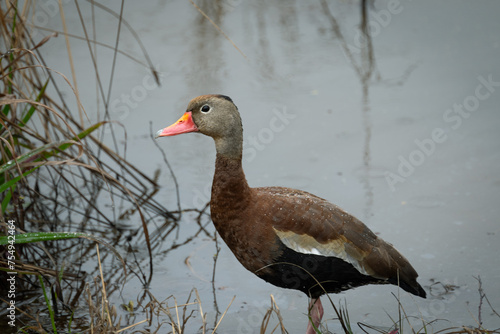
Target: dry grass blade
{"points": [[71, 62], [104, 295], [267, 317], [132, 326], [202, 315], [223, 314]]}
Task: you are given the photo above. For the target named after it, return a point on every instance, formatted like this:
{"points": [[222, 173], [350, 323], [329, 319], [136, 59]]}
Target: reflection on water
{"points": [[366, 155], [205, 55], [364, 68]]}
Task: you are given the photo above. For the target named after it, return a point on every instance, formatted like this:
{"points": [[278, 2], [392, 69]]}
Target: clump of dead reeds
{"points": [[169, 314], [56, 173]]}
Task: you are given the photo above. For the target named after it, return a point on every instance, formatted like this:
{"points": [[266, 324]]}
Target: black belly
{"points": [[314, 275]]}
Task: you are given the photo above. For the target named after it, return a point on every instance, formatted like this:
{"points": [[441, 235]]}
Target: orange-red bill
{"points": [[183, 125]]}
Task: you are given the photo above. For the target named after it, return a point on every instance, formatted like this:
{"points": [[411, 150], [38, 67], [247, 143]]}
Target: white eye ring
{"points": [[206, 109]]}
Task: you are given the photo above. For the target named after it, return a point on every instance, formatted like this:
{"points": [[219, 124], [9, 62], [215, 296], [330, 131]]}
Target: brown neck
{"points": [[230, 190]]}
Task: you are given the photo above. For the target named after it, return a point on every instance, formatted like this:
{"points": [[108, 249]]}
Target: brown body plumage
{"points": [[288, 237]]}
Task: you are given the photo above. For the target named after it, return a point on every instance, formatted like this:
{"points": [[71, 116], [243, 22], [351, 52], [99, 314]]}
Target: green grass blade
{"points": [[28, 155], [7, 198], [31, 111], [6, 185], [12, 183], [47, 302], [67, 144], [82, 135], [61, 146], [71, 321], [42, 236], [5, 111], [50, 236]]}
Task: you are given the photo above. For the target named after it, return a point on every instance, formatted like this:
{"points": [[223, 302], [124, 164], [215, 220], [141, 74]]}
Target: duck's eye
{"points": [[206, 108]]}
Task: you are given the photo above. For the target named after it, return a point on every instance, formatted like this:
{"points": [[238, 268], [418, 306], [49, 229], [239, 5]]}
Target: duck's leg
{"points": [[315, 313]]}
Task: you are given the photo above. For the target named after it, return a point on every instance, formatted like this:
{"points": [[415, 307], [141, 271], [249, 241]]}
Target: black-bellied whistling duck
{"points": [[287, 237]]}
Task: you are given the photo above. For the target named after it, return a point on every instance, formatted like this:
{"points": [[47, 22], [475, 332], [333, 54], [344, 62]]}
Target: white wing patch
{"points": [[306, 244]]}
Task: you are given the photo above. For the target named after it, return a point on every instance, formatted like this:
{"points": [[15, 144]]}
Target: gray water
{"points": [[416, 159]]}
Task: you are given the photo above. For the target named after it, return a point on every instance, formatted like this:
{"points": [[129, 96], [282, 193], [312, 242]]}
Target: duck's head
{"points": [[213, 115]]}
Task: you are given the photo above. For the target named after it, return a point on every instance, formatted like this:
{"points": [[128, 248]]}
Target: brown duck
{"points": [[288, 237]]}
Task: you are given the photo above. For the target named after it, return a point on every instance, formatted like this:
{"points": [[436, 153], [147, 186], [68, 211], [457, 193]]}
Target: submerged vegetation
{"points": [[67, 199]]}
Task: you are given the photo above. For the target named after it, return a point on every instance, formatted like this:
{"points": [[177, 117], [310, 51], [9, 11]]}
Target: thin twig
{"points": [[176, 184], [216, 257]]}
